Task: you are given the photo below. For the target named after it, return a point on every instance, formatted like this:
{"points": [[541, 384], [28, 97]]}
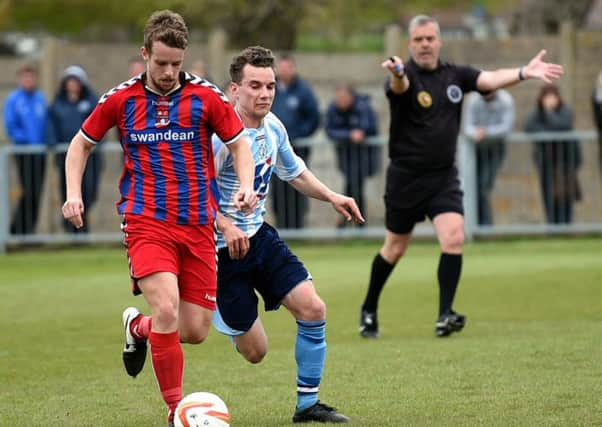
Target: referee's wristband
{"points": [[521, 75]]}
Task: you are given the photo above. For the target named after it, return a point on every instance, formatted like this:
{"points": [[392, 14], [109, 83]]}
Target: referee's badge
{"points": [[424, 99], [454, 93]]}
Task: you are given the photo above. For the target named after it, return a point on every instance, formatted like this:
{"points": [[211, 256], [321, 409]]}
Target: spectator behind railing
{"points": [[488, 120], [556, 161], [597, 110], [296, 106], [136, 65], [25, 116], [73, 103], [349, 121], [227, 89], [199, 69]]}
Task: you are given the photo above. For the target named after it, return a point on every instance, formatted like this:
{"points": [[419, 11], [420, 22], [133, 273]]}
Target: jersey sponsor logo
{"points": [[454, 93], [153, 136], [210, 297], [424, 99], [163, 101]]}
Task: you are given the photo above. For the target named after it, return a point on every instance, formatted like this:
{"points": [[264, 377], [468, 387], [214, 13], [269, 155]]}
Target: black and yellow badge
{"points": [[424, 99]]}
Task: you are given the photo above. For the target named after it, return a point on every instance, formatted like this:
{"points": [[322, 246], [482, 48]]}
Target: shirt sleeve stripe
{"points": [[238, 135], [88, 137]]}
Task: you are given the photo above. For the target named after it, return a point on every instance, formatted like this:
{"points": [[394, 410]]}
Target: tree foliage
{"points": [[545, 17], [271, 23], [274, 23]]}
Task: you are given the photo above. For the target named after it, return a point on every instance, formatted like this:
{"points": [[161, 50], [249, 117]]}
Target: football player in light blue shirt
{"points": [[252, 257]]}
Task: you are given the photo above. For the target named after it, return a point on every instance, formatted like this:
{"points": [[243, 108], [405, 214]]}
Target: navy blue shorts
{"points": [[270, 268]]}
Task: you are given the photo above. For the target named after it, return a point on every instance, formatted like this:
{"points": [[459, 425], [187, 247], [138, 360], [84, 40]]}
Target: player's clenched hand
{"points": [[246, 200], [395, 65], [347, 207], [237, 241], [72, 210]]}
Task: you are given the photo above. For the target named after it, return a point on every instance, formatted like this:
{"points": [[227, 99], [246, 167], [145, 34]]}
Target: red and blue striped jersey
{"points": [[168, 172]]}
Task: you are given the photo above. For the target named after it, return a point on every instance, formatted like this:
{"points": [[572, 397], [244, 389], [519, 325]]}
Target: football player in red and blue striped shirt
{"points": [[165, 118]]}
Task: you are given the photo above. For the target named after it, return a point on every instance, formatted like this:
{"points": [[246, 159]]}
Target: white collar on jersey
{"points": [[150, 89]]}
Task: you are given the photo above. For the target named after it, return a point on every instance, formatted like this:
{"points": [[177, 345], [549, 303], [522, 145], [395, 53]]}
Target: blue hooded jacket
{"points": [[25, 117]]}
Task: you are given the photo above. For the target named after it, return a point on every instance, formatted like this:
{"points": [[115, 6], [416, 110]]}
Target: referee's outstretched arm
{"points": [[535, 69]]}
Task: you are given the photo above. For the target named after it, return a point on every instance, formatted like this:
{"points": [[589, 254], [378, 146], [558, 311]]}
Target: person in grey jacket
{"points": [[73, 103], [488, 120], [557, 162]]}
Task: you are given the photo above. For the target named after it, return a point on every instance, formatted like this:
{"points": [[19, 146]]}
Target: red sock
{"points": [[141, 327], [168, 363]]}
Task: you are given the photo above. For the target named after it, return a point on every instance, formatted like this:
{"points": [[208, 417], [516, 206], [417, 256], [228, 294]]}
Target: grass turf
{"points": [[531, 353]]}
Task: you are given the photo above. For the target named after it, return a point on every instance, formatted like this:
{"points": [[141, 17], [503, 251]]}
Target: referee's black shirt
{"points": [[425, 120]]}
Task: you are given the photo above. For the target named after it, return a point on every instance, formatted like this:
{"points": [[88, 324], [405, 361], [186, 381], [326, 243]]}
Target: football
{"points": [[202, 409]]}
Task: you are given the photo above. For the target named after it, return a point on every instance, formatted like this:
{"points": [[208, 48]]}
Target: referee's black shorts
{"points": [[410, 197]]}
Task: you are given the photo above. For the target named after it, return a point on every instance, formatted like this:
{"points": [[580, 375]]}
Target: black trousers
{"points": [[490, 156], [90, 186], [288, 204], [31, 168]]}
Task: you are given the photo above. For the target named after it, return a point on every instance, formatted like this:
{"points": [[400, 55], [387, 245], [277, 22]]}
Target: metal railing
{"points": [[590, 169], [516, 185]]}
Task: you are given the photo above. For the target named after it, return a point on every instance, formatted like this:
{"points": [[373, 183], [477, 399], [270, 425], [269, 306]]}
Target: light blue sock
{"points": [[310, 353]]}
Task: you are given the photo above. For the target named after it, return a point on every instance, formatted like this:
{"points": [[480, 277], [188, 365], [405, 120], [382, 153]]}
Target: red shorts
{"points": [[188, 251]]}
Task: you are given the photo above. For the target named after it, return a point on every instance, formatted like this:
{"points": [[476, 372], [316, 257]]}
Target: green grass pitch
{"points": [[531, 354]]}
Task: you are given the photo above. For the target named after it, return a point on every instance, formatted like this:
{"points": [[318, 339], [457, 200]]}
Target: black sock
{"points": [[450, 267], [381, 270]]}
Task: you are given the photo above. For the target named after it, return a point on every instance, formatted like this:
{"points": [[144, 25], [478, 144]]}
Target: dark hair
{"points": [[287, 56], [166, 27], [549, 89], [256, 56], [347, 87], [27, 68]]}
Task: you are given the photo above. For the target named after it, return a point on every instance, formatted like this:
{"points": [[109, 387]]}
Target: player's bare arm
{"points": [[535, 69], [399, 82], [236, 239], [308, 184], [245, 198], [75, 164]]}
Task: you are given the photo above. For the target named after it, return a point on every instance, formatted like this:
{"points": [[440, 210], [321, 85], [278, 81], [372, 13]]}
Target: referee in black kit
{"points": [[425, 98]]}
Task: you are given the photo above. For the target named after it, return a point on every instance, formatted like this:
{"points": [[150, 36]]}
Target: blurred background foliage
{"points": [[281, 24]]}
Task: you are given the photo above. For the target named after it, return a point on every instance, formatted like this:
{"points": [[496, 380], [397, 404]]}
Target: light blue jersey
{"points": [[272, 151]]}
